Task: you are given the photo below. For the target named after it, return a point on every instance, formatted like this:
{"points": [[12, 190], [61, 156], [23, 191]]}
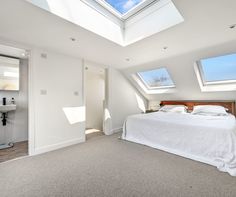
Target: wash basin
{"points": [[7, 108]]}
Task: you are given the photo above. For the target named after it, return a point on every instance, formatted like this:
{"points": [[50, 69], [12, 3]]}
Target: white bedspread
{"points": [[209, 139]]}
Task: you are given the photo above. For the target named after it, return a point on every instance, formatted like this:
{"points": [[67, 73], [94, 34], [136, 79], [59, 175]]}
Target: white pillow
{"points": [[174, 108], [212, 110]]}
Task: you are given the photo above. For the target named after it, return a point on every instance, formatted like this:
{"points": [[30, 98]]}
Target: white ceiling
{"points": [[206, 24], [158, 16]]}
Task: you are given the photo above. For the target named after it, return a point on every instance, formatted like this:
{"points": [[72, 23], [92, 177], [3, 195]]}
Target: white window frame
{"points": [[128, 14], [216, 86], [212, 82], [157, 87], [153, 90]]}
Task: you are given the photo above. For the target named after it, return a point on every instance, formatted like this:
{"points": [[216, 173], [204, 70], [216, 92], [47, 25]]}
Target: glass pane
{"points": [[156, 78], [123, 6], [221, 68], [9, 73]]}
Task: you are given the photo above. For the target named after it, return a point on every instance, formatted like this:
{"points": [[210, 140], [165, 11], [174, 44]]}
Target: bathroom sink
{"points": [[7, 108]]}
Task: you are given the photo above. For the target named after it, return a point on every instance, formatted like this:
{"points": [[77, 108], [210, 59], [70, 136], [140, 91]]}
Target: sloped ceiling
{"points": [[181, 69], [206, 24], [204, 33]]}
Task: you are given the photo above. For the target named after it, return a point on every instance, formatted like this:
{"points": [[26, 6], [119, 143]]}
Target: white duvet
{"points": [[209, 139]]}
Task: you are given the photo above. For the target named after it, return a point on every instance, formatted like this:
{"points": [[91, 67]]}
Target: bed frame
{"points": [[230, 105]]}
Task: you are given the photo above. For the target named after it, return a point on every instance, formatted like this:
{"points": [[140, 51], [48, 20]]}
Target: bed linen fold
{"points": [[208, 139]]}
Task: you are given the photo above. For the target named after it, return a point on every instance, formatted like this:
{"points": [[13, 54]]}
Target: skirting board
{"points": [[58, 146]]}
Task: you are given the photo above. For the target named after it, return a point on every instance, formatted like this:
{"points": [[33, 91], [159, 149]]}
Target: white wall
{"points": [[57, 85], [124, 99], [16, 129], [95, 95]]}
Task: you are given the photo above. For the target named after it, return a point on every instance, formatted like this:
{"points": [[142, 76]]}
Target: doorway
{"points": [[95, 99], [13, 103]]}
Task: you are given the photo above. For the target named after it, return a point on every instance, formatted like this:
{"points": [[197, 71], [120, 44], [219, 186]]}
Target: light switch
{"points": [[76, 93], [43, 92], [44, 55]]}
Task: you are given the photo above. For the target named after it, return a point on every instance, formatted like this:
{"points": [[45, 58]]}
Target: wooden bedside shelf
{"points": [[150, 111]]}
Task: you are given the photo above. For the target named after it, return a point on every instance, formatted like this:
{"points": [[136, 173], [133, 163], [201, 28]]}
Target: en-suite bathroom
{"points": [[13, 103]]}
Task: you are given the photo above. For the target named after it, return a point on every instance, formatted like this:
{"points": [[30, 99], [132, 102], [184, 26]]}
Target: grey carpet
{"points": [[105, 166]]}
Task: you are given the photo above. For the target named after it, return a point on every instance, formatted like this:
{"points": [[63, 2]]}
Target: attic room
{"points": [[117, 98]]}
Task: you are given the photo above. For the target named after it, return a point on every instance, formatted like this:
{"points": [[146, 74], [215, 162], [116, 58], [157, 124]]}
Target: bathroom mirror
{"points": [[9, 73]]}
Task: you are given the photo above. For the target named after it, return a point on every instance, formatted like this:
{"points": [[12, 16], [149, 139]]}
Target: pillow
{"points": [[212, 110], [174, 108]]}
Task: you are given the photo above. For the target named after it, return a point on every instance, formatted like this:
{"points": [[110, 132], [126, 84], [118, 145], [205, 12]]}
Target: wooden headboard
{"points": [[230, 105]]}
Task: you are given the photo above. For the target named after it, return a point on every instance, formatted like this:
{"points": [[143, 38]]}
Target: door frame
{"points": [[31, 112], [106, 90]]}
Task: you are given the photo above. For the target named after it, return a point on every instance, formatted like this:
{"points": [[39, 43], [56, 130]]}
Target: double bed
{"points": [[205, 138]]}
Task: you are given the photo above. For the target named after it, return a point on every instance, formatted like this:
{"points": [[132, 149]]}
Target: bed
{"points": [[208, 139]]}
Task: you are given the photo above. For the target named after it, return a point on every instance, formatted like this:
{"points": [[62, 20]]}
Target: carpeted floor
{"points": [[105, 167]]}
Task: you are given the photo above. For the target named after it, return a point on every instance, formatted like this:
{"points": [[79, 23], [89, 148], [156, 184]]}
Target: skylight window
{"points": [[123, 9], [123, 6], [158, 78], [218, 70], [126, 21]]}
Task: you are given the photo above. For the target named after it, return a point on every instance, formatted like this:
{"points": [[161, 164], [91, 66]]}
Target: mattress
{"points": [[208, 139]]}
